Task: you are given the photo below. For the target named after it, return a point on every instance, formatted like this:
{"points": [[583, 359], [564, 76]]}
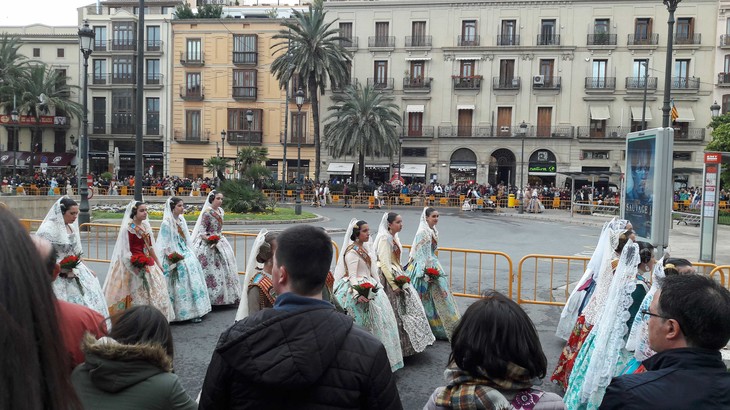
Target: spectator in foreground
{"points": [[688, 325], [132, 368], [495, 358], [33, 364], [302, 353]]}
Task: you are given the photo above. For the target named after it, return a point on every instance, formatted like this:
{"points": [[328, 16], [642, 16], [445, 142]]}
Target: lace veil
{"points": [[199, 223], [384, 233], [251, 264], [53, 228], [169, 242], [423, 227], [122, 253], [340, 267], [638, 340]]}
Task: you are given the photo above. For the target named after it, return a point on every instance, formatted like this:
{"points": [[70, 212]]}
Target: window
{"points": [[59, 52], [585, 154], [547, 33], [601, 26], [99, 71], [546, 70], [153, 72], [638, 73], [466, 68], [506, 71], [98, 113], [726, 65], [599, 79], [643, 31], [238, 125], [153, 38], [417, 71], [245, 49], [192, 85], [464, 123], [508, 36], [61, 86], [346, 33], [299, 127], [152, 105], [165, 9], [123, 35], [36, 52], [418, 34], [193, 50], [381, 74], [725, 104], [681, 72], [123, 113], [59, 141], [100, 39], [192, 125], [415, 152], [382, 29], [469, 33], [135, 11], [415, 124], [123, 70], [683, 155], [244, 84], [685, 30], [597, 128]]}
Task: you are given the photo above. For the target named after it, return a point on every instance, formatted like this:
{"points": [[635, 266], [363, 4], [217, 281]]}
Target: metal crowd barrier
{"points": [[723, 275]]}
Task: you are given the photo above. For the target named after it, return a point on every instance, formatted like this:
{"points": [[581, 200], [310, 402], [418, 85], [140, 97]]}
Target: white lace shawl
{"points": [[53, 228], [638, 341], [251, 265], [168, 243], [429, 233], [198, 229], [122, 253], [383, 233], [340, 267]]}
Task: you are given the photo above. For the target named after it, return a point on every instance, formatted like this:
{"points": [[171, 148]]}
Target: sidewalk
{"points": [[684, 240]]}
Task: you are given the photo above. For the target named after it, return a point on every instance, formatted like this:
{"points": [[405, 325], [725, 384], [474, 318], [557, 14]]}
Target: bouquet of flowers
{"points": [[212, 240], [172, 259], [366, 290], [68, 269], [401, 280], [432, 274], [140, 261]]}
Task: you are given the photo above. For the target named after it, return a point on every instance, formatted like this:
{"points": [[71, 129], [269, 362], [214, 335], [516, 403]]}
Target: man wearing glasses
{"points": [[689, 322]]}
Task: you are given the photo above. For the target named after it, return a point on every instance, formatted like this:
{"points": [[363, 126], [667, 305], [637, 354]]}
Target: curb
{"points": [[319, 218]]}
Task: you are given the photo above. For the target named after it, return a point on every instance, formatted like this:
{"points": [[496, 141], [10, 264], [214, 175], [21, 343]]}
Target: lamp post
{"points": [[14, 117], [86, 41], [299, 97], [671, 7], [522, 132], [645, 63], [223, 143], [400, 154], [715, 109]]}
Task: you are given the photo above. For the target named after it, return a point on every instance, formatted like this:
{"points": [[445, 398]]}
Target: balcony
{"points": [[725, 41], [192, 59], [723, 80], [467, 41], [426, 131], [154, 46], [689, 134], [506, 83], [687, 39], [418, 41], [126, 128], [192, 93], [100, 46], [685, 83], [123, 78], [450, 131], [548, 131], [643, 39], [638, 83], [607, 133], [381, 83], [244, 93], [190, 137], [417, 84], [601, 83], [122, 44], [294, 139], [381, 42], [154, 79], [542, 82], [340, 88], [98, 79], [349, 42], [243, 137], [601, 39], [472, 82], [245, 58], [508, 40], [548, 40], [153, 129]]}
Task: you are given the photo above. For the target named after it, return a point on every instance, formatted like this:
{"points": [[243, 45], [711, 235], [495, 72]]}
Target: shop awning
{"points": [[463, 165], [600, 112], [414, 108], [418, 58], [6, 159], [685, 114], [340, 168], [465, 107], [58, 160], [377, 167], [636, 113], [413, 170]]}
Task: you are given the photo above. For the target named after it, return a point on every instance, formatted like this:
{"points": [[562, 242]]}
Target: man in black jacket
{"points": [[689, 322], [301, 354]]}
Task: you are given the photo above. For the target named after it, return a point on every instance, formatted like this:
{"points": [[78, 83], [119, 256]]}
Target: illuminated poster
{"points": [[639, 203]]}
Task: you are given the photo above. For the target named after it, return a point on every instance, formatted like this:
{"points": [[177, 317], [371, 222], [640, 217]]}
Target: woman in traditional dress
{"points": [[215, 253], [433, 287], [185, 279], [78, 285], [257, 292], [128, 284], [413, 328], [357, 267]]}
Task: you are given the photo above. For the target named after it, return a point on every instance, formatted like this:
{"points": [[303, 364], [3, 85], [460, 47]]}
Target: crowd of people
{"points": [[640, 332]]}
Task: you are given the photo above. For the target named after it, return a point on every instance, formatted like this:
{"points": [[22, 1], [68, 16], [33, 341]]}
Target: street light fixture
{"points": [[400, 154], [522, 132], [14, 117], [671, 7], [299, 98], [86, 42], [715, 109]]}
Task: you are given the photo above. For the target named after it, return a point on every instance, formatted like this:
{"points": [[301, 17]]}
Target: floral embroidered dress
{"points": [[217, 260], [127, 285], [185, 281]]}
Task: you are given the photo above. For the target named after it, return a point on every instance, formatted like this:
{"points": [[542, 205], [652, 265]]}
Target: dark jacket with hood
{"points": [[300, 355], [118, 376], [684, 378]]}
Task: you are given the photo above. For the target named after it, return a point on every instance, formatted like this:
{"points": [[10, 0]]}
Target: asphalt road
{"points": [[516, 237]]}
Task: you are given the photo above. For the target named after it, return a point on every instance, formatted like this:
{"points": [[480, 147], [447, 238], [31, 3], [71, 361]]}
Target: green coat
{"points": [[117, 376]]}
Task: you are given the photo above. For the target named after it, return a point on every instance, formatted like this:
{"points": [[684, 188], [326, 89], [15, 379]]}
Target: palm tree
{"points": [[315, 55], [251, 165], [217, 166], [12, 68], [363, 121]]}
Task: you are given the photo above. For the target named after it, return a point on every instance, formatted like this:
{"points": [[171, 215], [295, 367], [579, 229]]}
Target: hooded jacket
{"points": [[299, 355], [119, 376]]}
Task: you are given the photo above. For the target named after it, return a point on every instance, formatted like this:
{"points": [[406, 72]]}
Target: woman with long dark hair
{"points": [[34, 363], [132, 368]]}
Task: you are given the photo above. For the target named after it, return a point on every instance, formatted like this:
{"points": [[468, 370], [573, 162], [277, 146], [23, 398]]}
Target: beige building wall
{"points": [[220, 96], [496, 153], [722, 57]]}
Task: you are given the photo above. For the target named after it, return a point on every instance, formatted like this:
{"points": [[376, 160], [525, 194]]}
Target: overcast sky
{"points": [[49, 12]]}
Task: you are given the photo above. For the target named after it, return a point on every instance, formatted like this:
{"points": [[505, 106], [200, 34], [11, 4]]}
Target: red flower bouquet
{"points": [[141, 261], [432, 273], [68, 266], [212, 240], [365, 289], [401, 280], [172, 260]]}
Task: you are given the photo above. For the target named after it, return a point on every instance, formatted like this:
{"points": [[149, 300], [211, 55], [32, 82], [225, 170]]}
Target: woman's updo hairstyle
{"points": [[672, 265], [66, 204], [266, 251], [174, 201], [356, 230], [136, 206], [212, 196], [391, 217], [622, 240], [429, 211], [646, 251]]}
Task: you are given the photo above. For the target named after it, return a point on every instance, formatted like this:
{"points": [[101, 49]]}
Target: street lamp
{"points": [[249, 120], [715, 109], [671, 7], [299, 98], [522, 132], [14, 117], [86, 41], [645, 63], [400, 153], [223, 143]]}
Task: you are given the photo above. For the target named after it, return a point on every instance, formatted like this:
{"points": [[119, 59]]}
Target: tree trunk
{"points": [[313, 95], [361, 171]]}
